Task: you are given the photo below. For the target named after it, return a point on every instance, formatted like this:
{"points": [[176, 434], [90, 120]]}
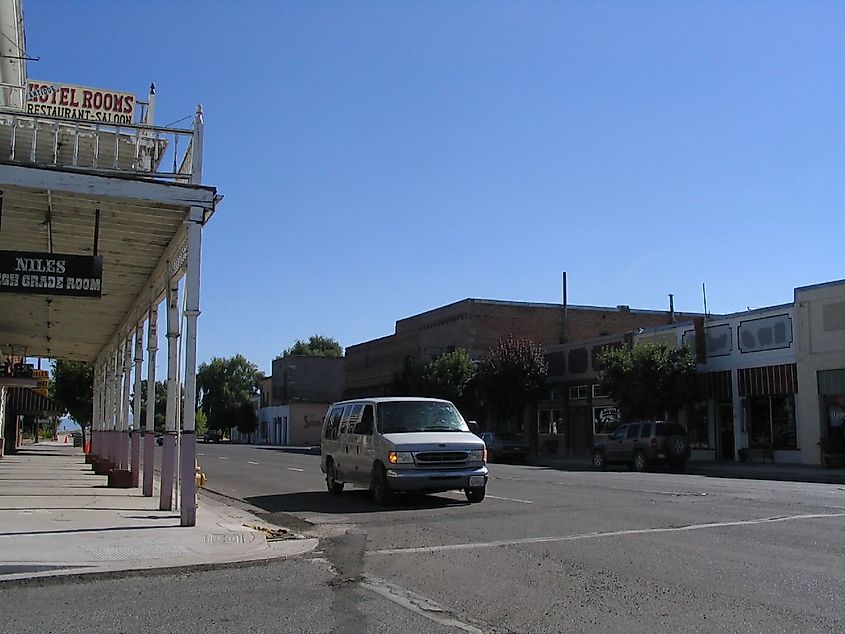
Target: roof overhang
{"points": [[142, 235]]}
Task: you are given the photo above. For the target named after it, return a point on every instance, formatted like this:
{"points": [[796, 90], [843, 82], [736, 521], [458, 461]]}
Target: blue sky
{"points": [[380, 159]]}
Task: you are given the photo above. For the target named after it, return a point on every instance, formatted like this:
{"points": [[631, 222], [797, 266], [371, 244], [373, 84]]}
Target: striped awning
{"points": [[26, 402], [769, 379]]}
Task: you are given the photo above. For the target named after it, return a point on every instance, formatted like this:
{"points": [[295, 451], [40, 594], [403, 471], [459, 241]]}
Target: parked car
{"points": [[212, 435], [641, 444], [502, 446]]}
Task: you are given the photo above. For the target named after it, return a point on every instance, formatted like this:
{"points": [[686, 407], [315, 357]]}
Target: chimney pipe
{"points": [[671, 308]]}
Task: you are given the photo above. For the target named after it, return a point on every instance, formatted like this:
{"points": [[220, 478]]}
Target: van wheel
{"points": [[334, 487], [640, 463], [475, 495], [382, 495]]}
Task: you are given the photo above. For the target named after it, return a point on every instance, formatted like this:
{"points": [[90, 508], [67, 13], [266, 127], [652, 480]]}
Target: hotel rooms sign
{"points": [[78, 103], [51, 274]]}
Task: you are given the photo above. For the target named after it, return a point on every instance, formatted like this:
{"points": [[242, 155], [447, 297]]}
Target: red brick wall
{"points": [[476, 325]]}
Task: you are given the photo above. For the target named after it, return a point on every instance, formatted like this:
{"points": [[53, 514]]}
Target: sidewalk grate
{"points": [[135, 549], [228, 538]]}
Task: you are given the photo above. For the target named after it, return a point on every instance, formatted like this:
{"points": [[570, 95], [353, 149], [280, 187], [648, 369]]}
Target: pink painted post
{"points": [[168, 468]]}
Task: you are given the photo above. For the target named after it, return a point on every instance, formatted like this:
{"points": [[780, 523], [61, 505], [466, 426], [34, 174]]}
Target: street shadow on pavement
{"points": [[309, 451], [349, 502]]}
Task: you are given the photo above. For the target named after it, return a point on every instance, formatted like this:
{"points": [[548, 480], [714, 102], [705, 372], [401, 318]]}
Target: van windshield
{"points": [[412, 416]]}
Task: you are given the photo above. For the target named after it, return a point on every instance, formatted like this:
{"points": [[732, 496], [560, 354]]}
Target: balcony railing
{"points": [[142, 151]]}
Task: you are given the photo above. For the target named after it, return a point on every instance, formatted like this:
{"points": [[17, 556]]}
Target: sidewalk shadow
{"points": [[350, 502]]}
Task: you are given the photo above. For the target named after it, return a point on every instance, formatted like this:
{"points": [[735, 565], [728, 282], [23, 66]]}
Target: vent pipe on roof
{"points": [[671, 308], [565, 334]]}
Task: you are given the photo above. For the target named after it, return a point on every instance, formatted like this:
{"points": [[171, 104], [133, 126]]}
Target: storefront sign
{"points": [[79, 103], [43, 378], [605, 419], [51, 274]]}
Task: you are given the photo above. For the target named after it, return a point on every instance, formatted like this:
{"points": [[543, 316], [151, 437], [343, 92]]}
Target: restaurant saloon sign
{"points": [[79, 103], [51, 274]]}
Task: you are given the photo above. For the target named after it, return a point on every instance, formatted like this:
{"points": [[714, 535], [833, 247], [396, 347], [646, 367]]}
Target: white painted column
{"points": [[149, 432], [188, 505], [136, 407], [168, 465]]}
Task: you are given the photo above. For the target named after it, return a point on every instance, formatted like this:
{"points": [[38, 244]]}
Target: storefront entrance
{"points": [[725, 425]]}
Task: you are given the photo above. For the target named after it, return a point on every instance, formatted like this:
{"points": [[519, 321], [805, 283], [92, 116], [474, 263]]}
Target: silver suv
{"points": [[642, 444]]}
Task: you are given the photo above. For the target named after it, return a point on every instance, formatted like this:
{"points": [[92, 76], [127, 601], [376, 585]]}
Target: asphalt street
{"points": [[546, 551]]}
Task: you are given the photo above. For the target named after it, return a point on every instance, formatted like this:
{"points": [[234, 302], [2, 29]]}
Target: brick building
{"points": [[476, 325]]}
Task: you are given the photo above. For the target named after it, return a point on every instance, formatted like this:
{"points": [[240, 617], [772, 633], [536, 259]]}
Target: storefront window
{"points": [[698, 426], [550, 421], [773, 421]]}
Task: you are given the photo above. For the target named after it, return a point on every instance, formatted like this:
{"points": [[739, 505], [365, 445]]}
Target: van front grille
{"points": [[441, 457]]}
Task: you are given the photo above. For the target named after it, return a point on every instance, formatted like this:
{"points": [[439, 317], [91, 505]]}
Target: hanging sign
{"points": [[43, 378], [79, 103], [51, 274]]}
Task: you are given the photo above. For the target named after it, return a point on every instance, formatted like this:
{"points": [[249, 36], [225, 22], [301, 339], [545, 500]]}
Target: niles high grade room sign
{"points": [[51, 274], [78, 103]]}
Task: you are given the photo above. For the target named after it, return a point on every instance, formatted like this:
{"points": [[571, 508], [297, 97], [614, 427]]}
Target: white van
{"points": [[401, 444]]}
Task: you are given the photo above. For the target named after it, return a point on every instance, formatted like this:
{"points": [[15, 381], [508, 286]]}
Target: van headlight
{"points": [[400, 457], [478, 454]]}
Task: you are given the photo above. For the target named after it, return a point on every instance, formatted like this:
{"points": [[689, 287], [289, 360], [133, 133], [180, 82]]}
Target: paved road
{"points": [[552, 551], [547, 551]]}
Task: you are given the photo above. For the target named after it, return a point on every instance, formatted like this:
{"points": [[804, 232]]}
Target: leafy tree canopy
{"points": [[511, 377], [72, 389], [160, 405], [449, 375], [650, 379], [225, 388], [316, 346]]}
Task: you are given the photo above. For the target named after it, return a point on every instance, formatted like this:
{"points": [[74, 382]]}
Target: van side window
{"points": [[354, 417], [333, 423], [344, 420], [367, 419]]}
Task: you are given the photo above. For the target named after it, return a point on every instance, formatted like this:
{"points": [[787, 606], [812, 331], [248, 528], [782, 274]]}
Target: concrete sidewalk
{"points": [[58, 518], [740, 470]]}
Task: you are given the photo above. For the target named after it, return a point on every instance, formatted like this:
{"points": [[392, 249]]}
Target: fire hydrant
{"points": [[199, 476]]}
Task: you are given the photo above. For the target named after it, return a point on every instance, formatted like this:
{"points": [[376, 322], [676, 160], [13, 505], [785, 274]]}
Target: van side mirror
{"points": [[364, 428], [473, 427]]}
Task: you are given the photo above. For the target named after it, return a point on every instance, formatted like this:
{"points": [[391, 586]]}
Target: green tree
{"points": [[450, 375], [160, 406], [200, 422], [245, 419], [224, 388], [650, 379], [316, 346], [72, 389], [511, 377]]}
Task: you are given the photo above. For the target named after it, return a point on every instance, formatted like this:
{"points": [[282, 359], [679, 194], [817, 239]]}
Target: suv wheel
{"points": [[677, 447], [640, 462], [599, 460]]}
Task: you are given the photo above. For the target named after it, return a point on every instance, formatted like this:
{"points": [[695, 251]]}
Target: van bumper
{"points": [[433, 480]]}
